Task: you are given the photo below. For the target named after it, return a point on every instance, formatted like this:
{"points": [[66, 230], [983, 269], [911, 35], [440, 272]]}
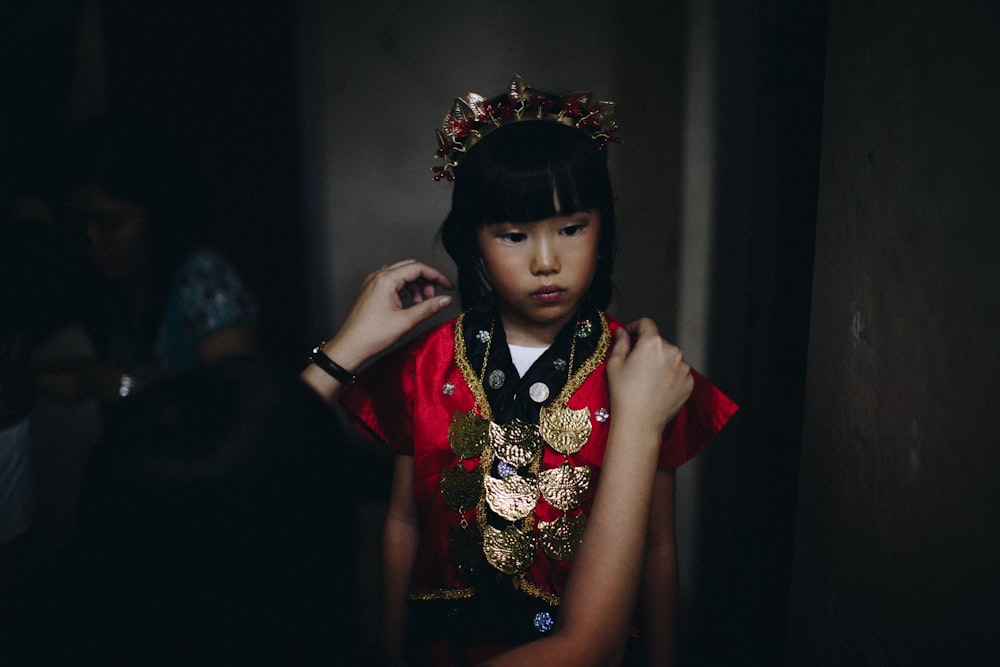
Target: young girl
{"points": [[500, 417]]}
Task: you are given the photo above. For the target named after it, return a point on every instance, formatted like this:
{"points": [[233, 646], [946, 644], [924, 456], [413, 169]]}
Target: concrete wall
{"points": [[380, 77], [898, 504]]}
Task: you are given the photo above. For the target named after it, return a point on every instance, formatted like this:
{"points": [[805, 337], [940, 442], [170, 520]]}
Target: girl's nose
{"points": [[545, 260]]}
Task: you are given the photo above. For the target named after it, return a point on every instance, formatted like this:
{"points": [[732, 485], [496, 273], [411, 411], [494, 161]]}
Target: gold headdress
{"points": [[472, 118]]}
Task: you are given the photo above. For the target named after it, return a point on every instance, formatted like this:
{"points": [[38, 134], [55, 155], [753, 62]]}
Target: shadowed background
{"points": [[807, 206]]}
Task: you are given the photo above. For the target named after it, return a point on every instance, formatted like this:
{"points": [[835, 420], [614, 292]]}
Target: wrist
{"points": [[635, 429], [320, 357], [352, 348]]}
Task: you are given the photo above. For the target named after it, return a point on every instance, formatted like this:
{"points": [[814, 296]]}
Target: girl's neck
{"points": [[526, 333]]}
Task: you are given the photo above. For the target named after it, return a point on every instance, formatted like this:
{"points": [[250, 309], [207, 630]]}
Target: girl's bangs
{"points": [[531, 192]]}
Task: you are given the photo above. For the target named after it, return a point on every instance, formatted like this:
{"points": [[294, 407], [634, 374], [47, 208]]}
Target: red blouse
{"points": [[408, 400]]}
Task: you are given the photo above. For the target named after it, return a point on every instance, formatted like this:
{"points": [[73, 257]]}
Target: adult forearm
{"points": [[596, 609], [608, 565]]}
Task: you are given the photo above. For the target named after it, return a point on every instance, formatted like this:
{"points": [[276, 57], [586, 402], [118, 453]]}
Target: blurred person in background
{"points": [[164, 303]]}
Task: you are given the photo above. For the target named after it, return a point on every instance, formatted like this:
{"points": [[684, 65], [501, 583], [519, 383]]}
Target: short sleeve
{"points": [[381, 402], [702, 417]]}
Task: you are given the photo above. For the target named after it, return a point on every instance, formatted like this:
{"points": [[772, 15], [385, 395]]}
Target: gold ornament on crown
{"points": [[473, 117]]}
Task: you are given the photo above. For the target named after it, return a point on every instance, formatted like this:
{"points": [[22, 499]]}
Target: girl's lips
{"points": [[548, 294]]}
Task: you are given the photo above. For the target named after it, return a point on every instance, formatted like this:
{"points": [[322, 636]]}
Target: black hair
{"points": [[510, 175]]}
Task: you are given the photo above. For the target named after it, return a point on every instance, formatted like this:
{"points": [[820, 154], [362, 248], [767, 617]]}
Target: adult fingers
{"points": [[642, 328], [620, 347], [422, 310], [409, 273]]}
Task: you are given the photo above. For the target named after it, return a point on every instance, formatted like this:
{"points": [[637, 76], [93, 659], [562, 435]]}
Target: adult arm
{"points": [[658, 588], [649, 382]]}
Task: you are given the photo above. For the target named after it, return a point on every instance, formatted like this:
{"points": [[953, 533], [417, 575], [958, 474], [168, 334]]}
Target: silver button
{"points": [[538, 392]]}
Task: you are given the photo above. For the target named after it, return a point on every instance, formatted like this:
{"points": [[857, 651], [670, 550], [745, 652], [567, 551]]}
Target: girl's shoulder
{"points": [[432, 337], [613, 322], [445, 329]]}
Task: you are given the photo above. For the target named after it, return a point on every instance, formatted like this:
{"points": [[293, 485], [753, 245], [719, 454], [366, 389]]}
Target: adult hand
{"points": [[381, 315], [648, 378], [391, 303]]}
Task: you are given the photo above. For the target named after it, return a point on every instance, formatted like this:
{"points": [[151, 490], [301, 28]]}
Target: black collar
{"points": [[511, 397]]}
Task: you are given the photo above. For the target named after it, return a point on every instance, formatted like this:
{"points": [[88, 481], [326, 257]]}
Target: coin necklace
{"points": [[509, 449]]}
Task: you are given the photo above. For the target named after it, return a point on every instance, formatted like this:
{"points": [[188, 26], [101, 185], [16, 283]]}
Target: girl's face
{"points": [[541, 271], [117, 231]]}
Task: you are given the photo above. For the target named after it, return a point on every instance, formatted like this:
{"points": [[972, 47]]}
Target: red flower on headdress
{"points": [[486, 113], [504, 111], [609, 137], [460, 128], [575, 104], [445, 149], [443, 172]]}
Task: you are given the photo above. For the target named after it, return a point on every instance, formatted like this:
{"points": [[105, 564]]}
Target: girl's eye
{"points": [[571, 230], [514, 237]]}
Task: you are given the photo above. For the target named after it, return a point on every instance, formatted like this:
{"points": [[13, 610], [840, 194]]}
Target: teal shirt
{"points": [[207, 296]]}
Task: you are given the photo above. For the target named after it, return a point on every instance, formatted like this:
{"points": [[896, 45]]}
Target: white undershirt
{"points": [[523, 357]]}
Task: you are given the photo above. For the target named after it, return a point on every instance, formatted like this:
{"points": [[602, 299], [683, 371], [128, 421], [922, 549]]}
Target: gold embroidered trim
{"points": [[462, 359], [522, 584], [444, 594], [588, 366]]}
